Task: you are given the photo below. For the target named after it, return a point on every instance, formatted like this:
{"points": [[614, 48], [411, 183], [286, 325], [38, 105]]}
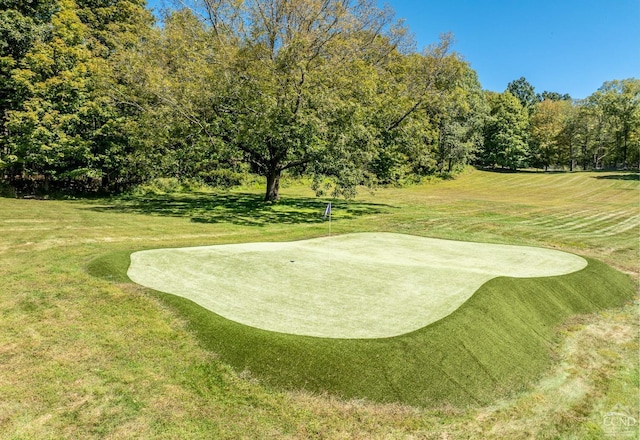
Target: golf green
{"points": [[364, 285]]}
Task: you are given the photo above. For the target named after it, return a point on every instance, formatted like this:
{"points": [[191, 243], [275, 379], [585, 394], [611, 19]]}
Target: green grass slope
{"points": [[496, 343]]}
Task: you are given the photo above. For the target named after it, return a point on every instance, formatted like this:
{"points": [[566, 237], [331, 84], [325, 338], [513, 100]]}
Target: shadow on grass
{"points": [[239, 208], [628, 176], [631, 175], [499, 170]]}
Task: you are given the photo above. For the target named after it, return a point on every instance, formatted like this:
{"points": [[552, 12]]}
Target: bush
{"points": [[7, 190], [165, 185], [222, 177]]}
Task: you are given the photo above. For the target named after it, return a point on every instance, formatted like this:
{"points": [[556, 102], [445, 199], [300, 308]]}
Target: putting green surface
{"points": [[365, 285]]}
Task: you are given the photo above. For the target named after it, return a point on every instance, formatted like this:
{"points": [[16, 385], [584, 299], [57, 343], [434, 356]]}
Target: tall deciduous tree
{"points": [[301, 82], [547, 125], [65, 127], [291, 81], [524, 91], [115, 27], [461, 121], [421, 117], [619, 103], [21, 25], [176, 89], [569, 137], [505, 143], [53, 76]]}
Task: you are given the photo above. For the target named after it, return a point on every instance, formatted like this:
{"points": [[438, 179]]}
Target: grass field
{"points": [[83, 357]]}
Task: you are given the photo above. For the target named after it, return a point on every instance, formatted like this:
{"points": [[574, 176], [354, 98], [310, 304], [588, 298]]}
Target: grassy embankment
{"points": [[82, 357]]}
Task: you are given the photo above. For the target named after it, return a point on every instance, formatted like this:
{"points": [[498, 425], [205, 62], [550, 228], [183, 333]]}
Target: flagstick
{"points": [[330, 213]]}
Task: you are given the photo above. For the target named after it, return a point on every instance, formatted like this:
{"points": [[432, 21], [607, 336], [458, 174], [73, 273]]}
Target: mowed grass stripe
{"points": [[545, 218], [548, 188], [597, 225], [575, 220], [621, 227], [596, 222]]}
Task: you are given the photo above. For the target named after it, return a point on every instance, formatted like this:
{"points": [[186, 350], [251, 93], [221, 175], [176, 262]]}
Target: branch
{"points": [[254, 157], [404, 116], [296, 163]]}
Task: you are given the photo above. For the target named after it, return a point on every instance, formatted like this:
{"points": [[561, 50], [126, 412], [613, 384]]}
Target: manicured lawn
{"points": [[88, 357], [350, 286]]}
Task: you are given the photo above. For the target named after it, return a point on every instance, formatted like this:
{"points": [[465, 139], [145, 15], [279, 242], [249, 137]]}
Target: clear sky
{"points": [[564, 46]]}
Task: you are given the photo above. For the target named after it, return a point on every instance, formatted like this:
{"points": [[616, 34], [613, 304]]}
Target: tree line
{"points": [[98, 95]]}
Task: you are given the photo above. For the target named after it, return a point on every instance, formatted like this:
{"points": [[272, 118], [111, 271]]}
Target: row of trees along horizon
{"points": [[98, 95]]}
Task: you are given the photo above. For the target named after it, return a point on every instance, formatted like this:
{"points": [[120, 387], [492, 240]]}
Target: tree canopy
{"points": [[95, 96]]}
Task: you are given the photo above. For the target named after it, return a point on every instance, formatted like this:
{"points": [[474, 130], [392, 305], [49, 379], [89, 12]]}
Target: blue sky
{"points": [[565, 46]]}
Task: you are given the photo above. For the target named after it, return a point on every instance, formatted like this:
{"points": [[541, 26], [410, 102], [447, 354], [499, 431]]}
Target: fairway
{"points": [[352, 286]]}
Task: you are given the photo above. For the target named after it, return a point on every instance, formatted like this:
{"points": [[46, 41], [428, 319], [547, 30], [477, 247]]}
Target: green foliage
{"points": [[601, 131], [170, 88], [5, 189], [54, 75], [21, 24], [93, 96], [524, 91], [461, 122], [64, 129], [547, 129], [222, 177], [552, 96], [617, 106], [324, 92], [308, 79], [114, 24], [162, 185], [505, 143]]}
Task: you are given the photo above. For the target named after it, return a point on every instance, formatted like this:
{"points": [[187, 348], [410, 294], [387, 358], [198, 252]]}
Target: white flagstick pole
{"points": [[330, 219], [327, 212]]}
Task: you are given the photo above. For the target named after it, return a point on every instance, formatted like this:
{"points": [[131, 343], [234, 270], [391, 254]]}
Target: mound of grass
{"points": [[495, 344], [112, 266]]}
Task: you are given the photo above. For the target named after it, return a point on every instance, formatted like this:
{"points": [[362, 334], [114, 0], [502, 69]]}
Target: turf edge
{"points": [[500, 340]]}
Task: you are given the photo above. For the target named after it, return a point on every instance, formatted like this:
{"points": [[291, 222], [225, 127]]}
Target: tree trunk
{"points": [[570, 154], [625, 150], [273, 185]]}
